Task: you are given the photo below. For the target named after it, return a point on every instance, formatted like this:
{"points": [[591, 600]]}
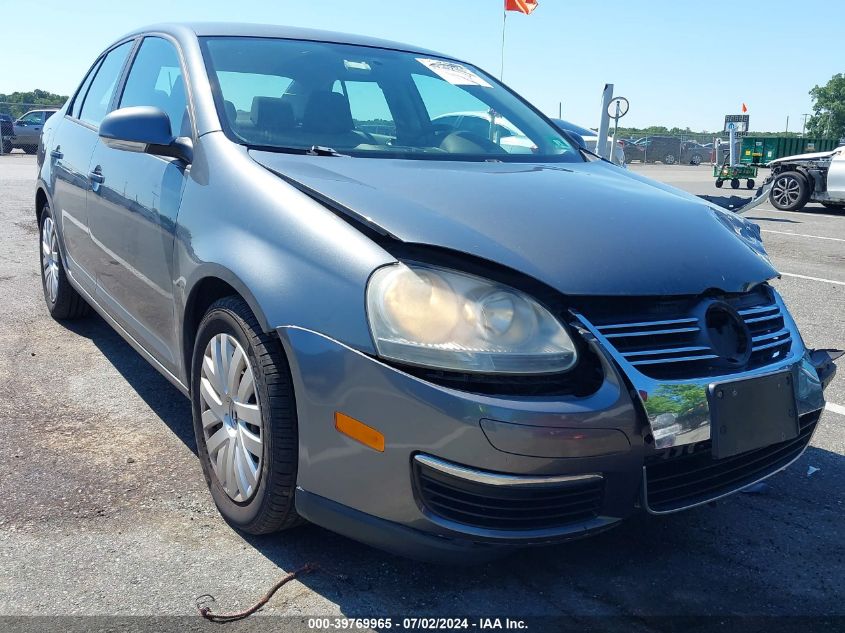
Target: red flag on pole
{"points": [[522, 6], [744, 108]]}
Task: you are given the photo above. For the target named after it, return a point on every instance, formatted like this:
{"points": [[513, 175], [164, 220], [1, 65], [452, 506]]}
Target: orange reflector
{"points": [[359, 431]]}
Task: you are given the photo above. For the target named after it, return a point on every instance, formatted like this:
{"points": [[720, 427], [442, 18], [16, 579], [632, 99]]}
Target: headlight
{"points": [[423, 315]]}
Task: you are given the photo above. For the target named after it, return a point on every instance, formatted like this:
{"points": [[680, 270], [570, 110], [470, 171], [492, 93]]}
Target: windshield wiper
{"points": [[315, 150], [320, 150]]}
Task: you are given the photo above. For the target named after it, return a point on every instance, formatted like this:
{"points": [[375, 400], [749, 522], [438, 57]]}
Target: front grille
{"points": [[506, 507], [668, 340], [675, 481]]}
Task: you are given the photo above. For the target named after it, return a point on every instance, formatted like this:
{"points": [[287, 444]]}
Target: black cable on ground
{"points": [[205, 610]]}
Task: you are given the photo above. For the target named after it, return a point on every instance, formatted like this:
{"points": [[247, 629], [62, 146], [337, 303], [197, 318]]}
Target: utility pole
{"points": [[786, 131], [560, 109], [804, 125]]}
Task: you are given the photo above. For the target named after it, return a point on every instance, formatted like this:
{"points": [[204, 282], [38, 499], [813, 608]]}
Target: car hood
{"points": [[811, 156], [584, 229]]}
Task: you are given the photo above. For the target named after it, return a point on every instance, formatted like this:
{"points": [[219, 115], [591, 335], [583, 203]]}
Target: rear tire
{"points": [[735, 183], [695, 160], [261, 499], [63, 301], [790, 191], [669, 159]]}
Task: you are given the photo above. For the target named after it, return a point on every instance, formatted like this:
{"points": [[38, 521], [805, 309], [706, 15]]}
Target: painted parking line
{"points": [[803, 214], [816, 237], [836, 408], [827, 281]]}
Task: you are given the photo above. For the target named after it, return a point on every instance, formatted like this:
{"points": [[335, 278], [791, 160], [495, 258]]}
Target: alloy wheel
{"points": [[786, 191], [50, 258], [231, 417]]}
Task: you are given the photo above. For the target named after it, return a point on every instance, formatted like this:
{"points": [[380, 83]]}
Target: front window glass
{"points": [[292, 95], [155, 79], [33, 118]]}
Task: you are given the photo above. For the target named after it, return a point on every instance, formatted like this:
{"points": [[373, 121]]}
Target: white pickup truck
{"points": [[819, 177]]}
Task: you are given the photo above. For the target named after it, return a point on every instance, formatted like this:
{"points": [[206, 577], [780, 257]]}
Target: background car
{"points": [[694, 153], [669, 150], [591, 139], [27, 129], [817, 177], [7, 131]]}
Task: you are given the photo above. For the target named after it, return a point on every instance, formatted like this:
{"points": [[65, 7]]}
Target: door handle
{"points": [[57, 154], [96, 176]]}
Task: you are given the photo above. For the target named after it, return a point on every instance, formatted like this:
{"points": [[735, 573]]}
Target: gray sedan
{"points": [[402, 331]]}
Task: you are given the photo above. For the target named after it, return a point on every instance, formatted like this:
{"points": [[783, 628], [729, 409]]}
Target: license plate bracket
{"points": [[752, 413]]}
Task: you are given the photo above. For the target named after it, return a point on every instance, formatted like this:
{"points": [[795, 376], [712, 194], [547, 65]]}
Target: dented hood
{"points": [[584, 229]]}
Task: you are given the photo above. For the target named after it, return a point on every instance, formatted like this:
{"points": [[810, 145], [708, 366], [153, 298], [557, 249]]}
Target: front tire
{"points": [[790, 191], [245, 419], [63, 301]]}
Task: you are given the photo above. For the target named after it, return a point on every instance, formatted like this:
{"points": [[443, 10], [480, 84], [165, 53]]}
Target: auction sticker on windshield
{"points": [[456, 74]]}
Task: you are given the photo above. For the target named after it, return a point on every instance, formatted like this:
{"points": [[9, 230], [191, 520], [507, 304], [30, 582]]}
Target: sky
{"points": [[679, 62]]}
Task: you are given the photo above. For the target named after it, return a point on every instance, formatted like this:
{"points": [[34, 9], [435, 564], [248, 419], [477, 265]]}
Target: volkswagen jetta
{"points": [[400, 330]]}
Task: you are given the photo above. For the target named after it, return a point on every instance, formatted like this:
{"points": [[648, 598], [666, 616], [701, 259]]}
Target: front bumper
{"points": [[376, 497]]}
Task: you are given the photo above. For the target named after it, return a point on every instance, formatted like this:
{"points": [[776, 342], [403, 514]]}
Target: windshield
{"points": [[293, 95]]}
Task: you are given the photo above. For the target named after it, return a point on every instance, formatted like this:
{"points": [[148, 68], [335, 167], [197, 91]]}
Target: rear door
{"points": [[70, 150], [133, 211]]}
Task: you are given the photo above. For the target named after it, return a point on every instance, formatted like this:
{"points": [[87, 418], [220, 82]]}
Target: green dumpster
{"points": [[760, 150]]}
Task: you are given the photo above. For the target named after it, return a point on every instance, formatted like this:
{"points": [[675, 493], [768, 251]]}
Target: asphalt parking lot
{"points": [[104, 511]]}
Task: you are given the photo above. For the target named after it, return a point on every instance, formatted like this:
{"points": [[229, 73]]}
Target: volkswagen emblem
{"points": [[728, 334]]}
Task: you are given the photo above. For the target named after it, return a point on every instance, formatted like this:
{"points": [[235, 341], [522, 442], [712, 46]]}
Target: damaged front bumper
{"points": [[461, 474]]}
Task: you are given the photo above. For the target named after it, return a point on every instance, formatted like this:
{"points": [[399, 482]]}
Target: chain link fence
{"points": [[21, 125], [669, 149]]}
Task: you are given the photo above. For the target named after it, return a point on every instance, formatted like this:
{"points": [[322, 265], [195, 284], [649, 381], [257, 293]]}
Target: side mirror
{"points": [[146, 130], [579, 140]]}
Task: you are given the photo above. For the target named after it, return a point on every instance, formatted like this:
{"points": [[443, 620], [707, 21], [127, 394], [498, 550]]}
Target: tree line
{"points": [[18, 103]]}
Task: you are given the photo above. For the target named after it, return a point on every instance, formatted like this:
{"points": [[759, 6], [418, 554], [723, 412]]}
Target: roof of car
{"points": [[242, 29]]}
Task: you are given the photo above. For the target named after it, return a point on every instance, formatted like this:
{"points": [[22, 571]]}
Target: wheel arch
{"points": [[212, 283], [41, 198]]}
